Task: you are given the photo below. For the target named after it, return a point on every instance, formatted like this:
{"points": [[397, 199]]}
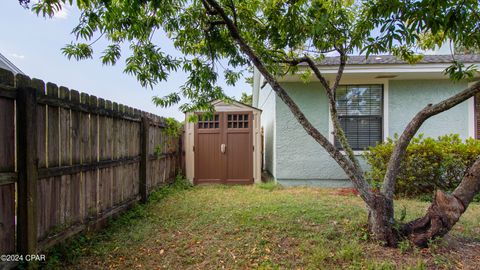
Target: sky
{"points": [[34, 44]]}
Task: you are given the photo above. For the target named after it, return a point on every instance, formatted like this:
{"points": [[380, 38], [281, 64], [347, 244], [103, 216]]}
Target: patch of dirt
{"points": [[464, 252], [329, 191], [451, 253], [347, 192], [306, 190]]}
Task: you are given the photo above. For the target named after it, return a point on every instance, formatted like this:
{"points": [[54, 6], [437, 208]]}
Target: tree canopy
{"points": [[276, 30]]}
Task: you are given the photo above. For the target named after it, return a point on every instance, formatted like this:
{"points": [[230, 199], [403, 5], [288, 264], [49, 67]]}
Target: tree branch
{"points": [[311, 64], [234, 12], [356, 177], [401, 145], [208, 8], [330, 91], [337, 127], [341, 68]]}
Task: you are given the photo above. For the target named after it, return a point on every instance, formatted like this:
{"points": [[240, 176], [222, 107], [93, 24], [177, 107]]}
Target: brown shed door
{"points": [[224, 149]]}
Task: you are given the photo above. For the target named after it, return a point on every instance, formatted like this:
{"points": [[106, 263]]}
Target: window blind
{"points": [[360, 111]]}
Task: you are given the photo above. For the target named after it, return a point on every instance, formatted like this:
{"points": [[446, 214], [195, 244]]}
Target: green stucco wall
{"points": [[406, 98], [267, 105], [299, 160]]}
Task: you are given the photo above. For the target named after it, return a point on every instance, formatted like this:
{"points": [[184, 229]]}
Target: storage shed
{"points": [[226, 149]]}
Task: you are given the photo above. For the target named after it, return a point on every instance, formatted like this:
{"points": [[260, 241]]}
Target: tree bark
{"points": [[380, 221], [445, 210]]}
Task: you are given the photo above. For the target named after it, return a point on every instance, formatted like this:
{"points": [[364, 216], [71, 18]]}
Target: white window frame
{"points": [[385, 83], [471, 115]]}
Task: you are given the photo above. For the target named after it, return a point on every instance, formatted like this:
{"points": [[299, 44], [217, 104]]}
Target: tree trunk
{"points": [[381, 221], [445, 210]]}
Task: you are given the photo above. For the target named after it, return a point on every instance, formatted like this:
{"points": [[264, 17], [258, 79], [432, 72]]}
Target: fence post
{"points": [[181, 152], [144, 157], [27, 167]]}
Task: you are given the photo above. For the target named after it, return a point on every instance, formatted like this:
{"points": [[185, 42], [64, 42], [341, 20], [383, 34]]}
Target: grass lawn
{"points": [[260, 227]]}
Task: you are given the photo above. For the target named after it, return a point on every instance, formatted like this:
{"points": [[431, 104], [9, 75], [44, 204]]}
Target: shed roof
{"points": [[234, 103]]}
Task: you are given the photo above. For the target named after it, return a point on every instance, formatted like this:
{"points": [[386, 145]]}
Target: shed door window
{"points": [[360, 111], [237, 120], [209, 122]]}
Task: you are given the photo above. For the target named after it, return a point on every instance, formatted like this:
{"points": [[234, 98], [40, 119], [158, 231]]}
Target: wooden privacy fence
{"points": [[69, 160]]}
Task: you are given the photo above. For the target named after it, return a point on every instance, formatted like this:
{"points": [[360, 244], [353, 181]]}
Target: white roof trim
{"points": [[382, 68], [10, 65], [235, 103]]}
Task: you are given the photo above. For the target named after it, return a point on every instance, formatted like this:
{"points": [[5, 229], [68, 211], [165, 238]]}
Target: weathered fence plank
{"points": [[53, 157], [42, 186], [75, 179], [27, 166], [144, 166], [84, 158], [94, 176], [7, 218], [125, 174], [7, 167], [7, 161], [104, 178]]}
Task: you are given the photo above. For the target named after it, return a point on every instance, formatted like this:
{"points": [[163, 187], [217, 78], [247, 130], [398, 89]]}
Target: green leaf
{"points": [[111, 54], [78, 51]]}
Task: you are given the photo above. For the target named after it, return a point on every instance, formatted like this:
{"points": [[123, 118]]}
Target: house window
{"points": [[360, 111]]}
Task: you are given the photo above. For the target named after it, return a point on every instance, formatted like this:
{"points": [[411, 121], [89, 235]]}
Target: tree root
{"points": [[441, 216]]}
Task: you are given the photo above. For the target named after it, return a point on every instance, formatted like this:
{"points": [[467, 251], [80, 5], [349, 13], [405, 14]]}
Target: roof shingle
{"points": [[390, 59]]}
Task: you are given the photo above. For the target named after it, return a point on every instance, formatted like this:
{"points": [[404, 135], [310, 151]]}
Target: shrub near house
{"points": [[430, 163]]}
